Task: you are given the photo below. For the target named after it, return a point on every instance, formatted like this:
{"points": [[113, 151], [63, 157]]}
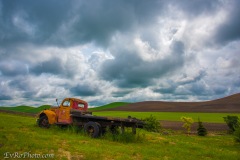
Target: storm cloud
{"points": [[124, 50]]}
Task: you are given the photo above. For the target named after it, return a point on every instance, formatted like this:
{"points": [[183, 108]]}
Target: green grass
{"points": [[169, 116], [108, 106], [20, 134], [26, 109]]}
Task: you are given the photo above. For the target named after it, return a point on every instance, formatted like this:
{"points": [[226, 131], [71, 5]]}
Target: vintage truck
{"points": [[73, 111]]}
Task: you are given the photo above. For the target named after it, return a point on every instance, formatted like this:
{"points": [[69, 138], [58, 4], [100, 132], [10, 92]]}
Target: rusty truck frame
{"points": [[73, 111]]}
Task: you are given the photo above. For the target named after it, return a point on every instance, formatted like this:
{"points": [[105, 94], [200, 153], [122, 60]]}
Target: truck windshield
{"points": [[66, 103]]}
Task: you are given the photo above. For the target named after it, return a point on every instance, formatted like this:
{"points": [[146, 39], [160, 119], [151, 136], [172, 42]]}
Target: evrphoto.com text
{"points": [[28, 155]]}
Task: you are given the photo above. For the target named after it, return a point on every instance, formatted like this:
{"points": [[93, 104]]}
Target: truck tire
{"points": [[43, 122], [92, 129], [100, 129]]}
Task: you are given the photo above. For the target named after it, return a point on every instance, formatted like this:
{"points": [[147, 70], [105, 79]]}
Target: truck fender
{"points": [[52, 117]]}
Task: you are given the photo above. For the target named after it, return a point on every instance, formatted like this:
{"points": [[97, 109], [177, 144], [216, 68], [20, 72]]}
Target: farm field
{"points": [[169, 116], [20, 134]]}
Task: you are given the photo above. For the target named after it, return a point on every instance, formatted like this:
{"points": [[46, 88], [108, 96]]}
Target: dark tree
{"points": [[202, 131]]}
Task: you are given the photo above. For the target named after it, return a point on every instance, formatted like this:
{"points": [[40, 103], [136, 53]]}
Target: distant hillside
{"points": [[109, 106], [26, 109], [228, 104]]}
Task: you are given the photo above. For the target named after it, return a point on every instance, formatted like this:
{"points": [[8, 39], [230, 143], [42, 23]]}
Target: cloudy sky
{"points": [[122, 50]]}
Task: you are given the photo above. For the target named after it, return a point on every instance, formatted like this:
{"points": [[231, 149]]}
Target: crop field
{"points": [[20, 136], [170, 116]]}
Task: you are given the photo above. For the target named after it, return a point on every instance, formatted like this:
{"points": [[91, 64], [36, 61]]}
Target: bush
{"points": [[237, 134], [202, 131], [232, 122], [152, 124], [126, 137], [187, 123]]}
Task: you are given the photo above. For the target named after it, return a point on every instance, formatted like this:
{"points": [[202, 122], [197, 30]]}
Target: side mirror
{"points": [[57, 102]]}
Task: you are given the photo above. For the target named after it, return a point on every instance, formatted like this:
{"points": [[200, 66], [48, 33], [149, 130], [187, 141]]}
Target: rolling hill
{"points": [[230, 104], [26, 109], [109, 106]]}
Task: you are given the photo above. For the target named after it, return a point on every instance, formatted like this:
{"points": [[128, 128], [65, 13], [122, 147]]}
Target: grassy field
{"points": [[169, 116], [20, 135]]}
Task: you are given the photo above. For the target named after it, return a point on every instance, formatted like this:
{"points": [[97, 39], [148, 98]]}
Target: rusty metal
{"points": [[70, 112]]}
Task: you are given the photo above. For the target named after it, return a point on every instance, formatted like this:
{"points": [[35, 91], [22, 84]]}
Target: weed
{"points": [[232, 122]]}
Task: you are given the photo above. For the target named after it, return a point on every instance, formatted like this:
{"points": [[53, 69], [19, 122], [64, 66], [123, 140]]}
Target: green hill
{"points": [[26, 109], [29, 109], [110, 105]]}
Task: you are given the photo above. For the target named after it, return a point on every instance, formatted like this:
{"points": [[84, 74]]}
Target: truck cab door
{"points": [[64, 112]]}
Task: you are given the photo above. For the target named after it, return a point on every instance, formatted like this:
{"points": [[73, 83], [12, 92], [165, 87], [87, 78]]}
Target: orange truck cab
{"points": [[62, 114]]}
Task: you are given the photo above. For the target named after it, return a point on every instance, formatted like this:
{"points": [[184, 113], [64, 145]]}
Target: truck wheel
{"points": [[100, 129], [92, 129], [43, 122]]}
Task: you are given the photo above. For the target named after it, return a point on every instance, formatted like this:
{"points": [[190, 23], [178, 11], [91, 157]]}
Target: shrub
{"points": [[152, 124], [202, 131], [187, 123], [126, 137], [237, 134], [232, 122]]}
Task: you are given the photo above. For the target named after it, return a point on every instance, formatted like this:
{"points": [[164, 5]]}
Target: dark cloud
{"points": [[187, 80], [166, 90], [13, 68], [220, 90], [129, 70], [71, 22], [31, 21], [51, 66], [98, 21], [20, 83], [85, 90], [5, 97], [23, 85], [120, 93], [191, 85], [198, 88], [229, 30], [197, 7]]}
